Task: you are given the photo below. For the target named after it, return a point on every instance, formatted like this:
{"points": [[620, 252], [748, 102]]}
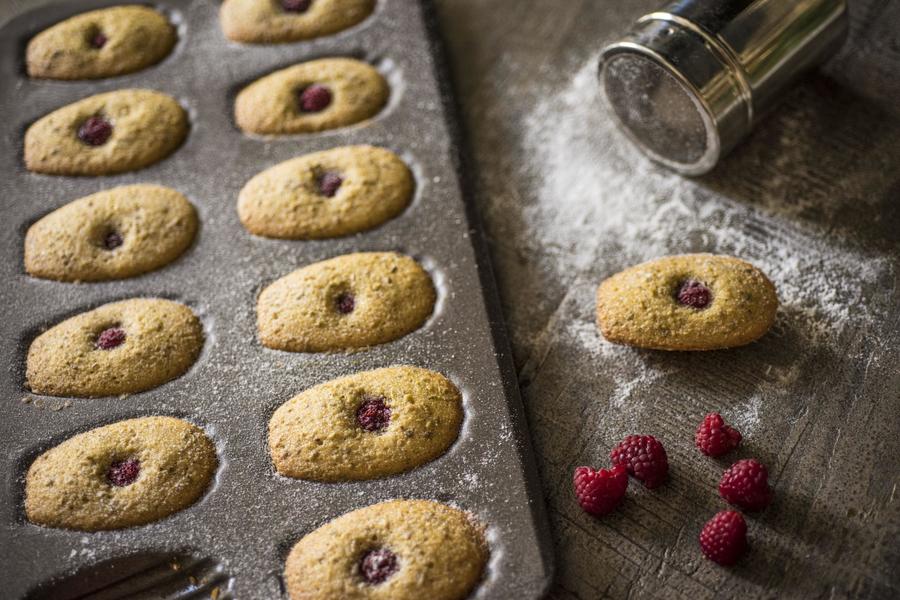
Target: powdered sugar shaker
{"points": [[690, 81]]}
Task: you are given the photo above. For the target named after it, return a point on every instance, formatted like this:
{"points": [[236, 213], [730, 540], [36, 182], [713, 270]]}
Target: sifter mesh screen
{"points": [[657, 110]]}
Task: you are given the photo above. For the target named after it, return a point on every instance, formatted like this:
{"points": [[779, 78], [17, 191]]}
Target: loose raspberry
{"points": [[112, 240], [724, 537], [314, 98], [98, 40], [694, 294], [296, 6], [746, 484], [123, 472], [644, 457], [95, 131], [345, 303], [377, 565], [373, 414], [600, 491], [329, 183], [110, 338], [714, 437]]}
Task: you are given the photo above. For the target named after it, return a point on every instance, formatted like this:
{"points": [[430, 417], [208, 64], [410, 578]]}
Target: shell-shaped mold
{"points": [[125, 474], [277, 21], [371, 424], [396, 549], [326, 194], [311, 96], [101, 43], [105, 134], [113, 234], [688, 302], [352, 301], [118, 348]]}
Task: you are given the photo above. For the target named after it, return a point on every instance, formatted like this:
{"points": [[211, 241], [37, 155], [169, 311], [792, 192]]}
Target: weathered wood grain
{"points": [[819, 398]]}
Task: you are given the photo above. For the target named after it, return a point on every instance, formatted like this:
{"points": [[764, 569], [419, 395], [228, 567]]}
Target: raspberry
{"points": [[746, 484], [95, 131], [714, 437], [373, 414], [600, 491], [98, 40], [295, 6], [112, 240], [724, 537], [345, 303], [123, 472], [694, 294], [314, 98], [329, 183], [645, 458], [377, 565], [110, 338]]}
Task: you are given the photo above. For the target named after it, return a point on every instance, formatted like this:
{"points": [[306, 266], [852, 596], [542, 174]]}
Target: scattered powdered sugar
{"points": [[745, 416], [628, 371], [601, 207]]}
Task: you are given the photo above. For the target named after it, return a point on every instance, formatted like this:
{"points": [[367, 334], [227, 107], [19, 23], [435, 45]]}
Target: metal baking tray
{"points": [[232, 543]]}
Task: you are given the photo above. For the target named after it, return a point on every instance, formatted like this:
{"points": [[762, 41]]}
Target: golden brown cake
{"points": [[352, 301], [129, 473], [105, 134], [113, 234], [326, 194], [101, 43], [397, 550], [688, 302], [371, 424], [118, 348], [274, 21], [311, 96]]}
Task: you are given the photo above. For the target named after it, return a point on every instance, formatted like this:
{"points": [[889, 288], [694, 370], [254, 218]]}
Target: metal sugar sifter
{"points": [[690, 81]]}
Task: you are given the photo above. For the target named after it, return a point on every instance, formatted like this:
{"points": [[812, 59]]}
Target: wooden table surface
{"points": [[813, 198]]}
